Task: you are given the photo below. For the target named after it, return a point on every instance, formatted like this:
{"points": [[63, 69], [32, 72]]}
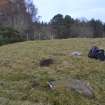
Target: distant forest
{"points": [[19, 21]]}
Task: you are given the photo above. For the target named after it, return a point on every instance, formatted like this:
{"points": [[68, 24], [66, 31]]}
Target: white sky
{"points": [[75, 8]]}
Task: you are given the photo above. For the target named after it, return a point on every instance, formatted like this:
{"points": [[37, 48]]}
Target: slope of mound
{"points": [[24, 82]]}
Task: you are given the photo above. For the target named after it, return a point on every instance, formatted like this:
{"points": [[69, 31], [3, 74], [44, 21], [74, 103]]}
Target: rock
{"points": [[76, 53], [65, 63], [81, 87], [46, 62], [51, 84]]}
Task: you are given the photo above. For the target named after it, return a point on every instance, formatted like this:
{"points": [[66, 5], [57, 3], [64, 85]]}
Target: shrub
{"points": [[9, 35]]}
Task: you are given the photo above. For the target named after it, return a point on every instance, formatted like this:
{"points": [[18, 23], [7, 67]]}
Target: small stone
{"points": [[51, 85], [76, 53], [65, 63]]}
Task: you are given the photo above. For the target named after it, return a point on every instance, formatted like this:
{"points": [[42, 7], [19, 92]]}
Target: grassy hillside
{"points": [[24, 82]]}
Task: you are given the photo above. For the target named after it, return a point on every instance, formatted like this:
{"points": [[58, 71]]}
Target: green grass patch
{"points": [[24, 82]]}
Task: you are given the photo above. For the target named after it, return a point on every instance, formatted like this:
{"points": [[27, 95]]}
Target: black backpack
{"points": [[97, 53], [93, 52], [101, 55]]}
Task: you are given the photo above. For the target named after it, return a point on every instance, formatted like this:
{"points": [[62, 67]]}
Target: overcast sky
{"points": [[75, 8]]}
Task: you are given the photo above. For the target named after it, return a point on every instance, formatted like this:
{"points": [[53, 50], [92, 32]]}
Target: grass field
{"points": [[24, 82]]}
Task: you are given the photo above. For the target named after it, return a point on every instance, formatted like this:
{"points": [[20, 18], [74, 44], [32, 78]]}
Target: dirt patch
{"points": [[46, 62]]}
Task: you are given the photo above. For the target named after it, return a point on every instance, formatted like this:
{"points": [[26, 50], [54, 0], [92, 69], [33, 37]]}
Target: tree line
{"points": [[19, 22], [63, 27]]}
